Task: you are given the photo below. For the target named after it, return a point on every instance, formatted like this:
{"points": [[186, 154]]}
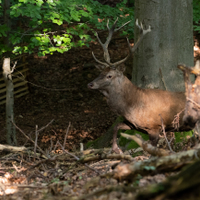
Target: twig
{"points": [[18, 170], [46, 125], [30, 140], [162, 78], [106, 156], [81, 147], [66, 135], [163, 129], [51, 145], [36, 139], [39, 86], [13, 68], [78, 159], [193, 102], [42, 162], [176, 120], [31, 186], [55, 146]]}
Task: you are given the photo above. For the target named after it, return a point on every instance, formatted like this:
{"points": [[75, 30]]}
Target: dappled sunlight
{"points": [[10, 190], [40, 57], [196, 51], [89, 111], [8, 184]]}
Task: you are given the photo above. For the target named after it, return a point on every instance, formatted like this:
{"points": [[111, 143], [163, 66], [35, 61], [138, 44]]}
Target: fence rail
{"points": [[19, 82]]}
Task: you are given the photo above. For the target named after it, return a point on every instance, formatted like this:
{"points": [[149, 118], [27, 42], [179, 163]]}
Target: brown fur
{"points": [[143, 108]]}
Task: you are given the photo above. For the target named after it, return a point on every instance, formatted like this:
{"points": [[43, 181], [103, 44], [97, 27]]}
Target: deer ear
{"points": [[121, 68], [99, 67]]}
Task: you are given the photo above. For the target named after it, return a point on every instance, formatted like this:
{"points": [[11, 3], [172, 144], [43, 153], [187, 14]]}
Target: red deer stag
{"points": [[141, 108]]}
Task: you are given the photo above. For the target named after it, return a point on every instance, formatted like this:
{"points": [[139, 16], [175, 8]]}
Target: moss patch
{"points": [[130, 144]]}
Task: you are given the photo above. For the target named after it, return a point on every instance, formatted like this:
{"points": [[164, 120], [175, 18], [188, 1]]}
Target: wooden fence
{"points": [[19, 82]]}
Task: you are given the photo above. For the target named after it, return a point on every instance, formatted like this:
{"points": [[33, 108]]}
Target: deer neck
{"points": [[121, 95]]}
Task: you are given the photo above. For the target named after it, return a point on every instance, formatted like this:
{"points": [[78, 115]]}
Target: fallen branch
{"points": [[78, 159], [66, 135], [106, 190], [175, 186], [12, 148], [172, 162], [147, 146], [48, 160], [196, 104], [164, 133], [105, 156]]}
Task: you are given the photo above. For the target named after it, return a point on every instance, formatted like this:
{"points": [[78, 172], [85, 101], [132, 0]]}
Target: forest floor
{"points": [[58, 91]]}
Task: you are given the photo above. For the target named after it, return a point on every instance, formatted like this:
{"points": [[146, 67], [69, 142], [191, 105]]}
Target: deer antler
{"points": [[142, 34], [105, 45]]}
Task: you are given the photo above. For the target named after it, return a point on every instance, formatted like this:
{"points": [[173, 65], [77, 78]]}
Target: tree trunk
{"points": [[170, 42], [11, 131]]}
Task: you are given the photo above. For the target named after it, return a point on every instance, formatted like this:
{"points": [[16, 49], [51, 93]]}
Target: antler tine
{"points": [[122, 26], [111, 31], [121, 61], [105, 46], [102, 63], [143, 33], [129, 46]]}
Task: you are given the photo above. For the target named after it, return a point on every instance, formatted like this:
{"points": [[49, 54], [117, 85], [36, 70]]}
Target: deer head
{"points": [[112, 71]]}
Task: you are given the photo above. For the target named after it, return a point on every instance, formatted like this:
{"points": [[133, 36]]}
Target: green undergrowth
{"points": [[181, 138], [130, 144]]}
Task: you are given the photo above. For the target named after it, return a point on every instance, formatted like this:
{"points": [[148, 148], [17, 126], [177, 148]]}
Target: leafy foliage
{"points": [[48, 26], [196, 15]]}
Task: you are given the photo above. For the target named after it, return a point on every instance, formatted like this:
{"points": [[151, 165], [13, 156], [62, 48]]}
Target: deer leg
{"points": [[154, 137], [119, 126]]}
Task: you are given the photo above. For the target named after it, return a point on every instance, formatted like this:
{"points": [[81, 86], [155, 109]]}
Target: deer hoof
{"points": [[117, 150]]}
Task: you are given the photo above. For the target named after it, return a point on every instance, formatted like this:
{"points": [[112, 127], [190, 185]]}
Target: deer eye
{"points": [[109, 76]]}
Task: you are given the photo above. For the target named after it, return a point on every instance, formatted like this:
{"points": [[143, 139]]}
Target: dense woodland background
{"points": [[55, 39]]}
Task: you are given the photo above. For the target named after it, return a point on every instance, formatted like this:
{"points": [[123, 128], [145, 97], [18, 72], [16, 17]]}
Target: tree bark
{"points": [[11, 131], [170, 42], [155, 165]]}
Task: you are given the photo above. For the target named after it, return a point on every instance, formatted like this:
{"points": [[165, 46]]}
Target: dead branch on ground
{"points": [[168, 163], [36, 137], [164, 133], [175, 187], [8, 148], [155, 151]]}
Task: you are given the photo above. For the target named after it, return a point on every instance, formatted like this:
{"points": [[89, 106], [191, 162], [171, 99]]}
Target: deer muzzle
{"points": [[90, 85]]}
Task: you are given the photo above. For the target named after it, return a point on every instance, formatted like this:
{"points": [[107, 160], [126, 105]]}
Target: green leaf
{"points": [[150, 168]]}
